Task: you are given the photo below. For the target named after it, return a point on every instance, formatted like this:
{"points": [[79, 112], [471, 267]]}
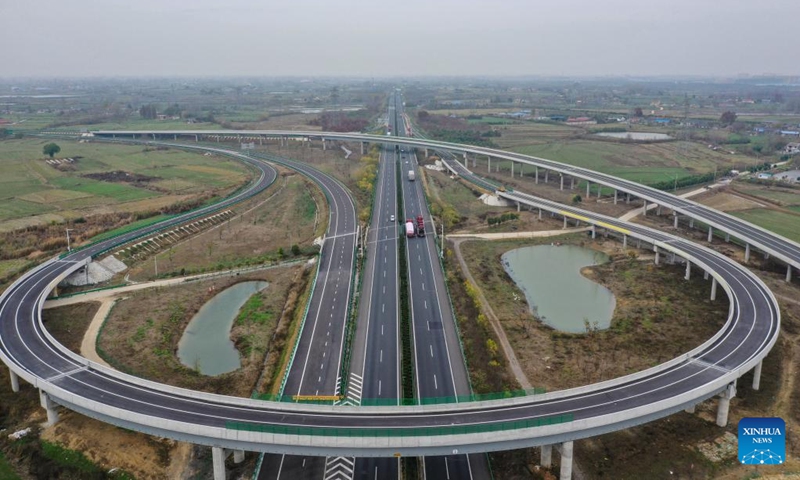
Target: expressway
{"points": [[219, 421]]}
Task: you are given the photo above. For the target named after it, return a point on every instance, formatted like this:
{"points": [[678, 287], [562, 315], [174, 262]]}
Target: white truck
{"points": [[411, 175]]}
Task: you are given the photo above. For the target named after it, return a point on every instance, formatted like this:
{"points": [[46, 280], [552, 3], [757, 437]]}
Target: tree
{"points": [[295, 249], [577, 199], [51, 149], [727, 117], [637, 112]]}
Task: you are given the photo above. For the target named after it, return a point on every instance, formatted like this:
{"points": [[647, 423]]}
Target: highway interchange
{"points": [[745, 339]]}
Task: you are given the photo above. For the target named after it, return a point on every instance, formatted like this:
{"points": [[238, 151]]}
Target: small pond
{"points": [[206, 344], [557, 293], [641, 136]]}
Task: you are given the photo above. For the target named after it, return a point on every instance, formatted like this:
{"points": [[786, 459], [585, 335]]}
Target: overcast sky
{"points": [[411, 37]]}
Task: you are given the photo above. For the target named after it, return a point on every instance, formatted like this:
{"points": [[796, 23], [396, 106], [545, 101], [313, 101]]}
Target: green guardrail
{"points": [[393, 402], [353, 432]]}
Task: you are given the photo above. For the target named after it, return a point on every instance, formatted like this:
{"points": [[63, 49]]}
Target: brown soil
{"points": [[145, 344], [118, 176], [655, 317], [69, 323], [293, 211]]}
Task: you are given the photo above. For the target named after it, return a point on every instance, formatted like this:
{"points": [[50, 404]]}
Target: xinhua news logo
{"points": [[762, 441]]}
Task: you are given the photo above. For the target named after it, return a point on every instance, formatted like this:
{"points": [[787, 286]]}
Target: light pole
{"points": [[675, 186], [68, 247]]}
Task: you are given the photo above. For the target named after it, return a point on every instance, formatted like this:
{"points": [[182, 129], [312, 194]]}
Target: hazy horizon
{"points": [[360, 39]]}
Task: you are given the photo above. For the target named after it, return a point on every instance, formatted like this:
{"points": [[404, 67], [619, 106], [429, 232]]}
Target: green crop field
{"points": [[781, 223], [30, 186], [784, 197]]}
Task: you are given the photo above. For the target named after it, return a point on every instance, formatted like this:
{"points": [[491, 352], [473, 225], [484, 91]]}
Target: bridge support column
{"points": [[705, 274], [572, 183], [725, 405], [426, 155], [710, 234], [238, 456], [594, 231], [713, 288], [512, 169], [218, 456], [628, 198], [658, 210], [324, 145], [566, 461], [362, 148], [615, 196], [624, 241], [546, 176], [547, 456], [565, 221], [691, 409], [788, 273], [562, 182], [599, 191], [536, 173], [658, 254], [588, 185], [675, 223], [518, 206], [688, 270], [521, 170], [727, 237], [50, 406], [14, 381], [489, 164], [757, 376], [746, 252], [691, 223], [644, 208], [466, 166]]}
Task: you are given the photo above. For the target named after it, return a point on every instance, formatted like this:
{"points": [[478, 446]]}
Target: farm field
{"points": [[781, 223], [36, 192]]}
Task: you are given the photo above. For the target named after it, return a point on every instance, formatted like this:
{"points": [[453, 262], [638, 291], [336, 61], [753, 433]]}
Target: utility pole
{"points": [[68, 247]]}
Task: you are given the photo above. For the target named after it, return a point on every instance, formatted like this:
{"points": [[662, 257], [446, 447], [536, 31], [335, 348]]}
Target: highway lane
{"points": [[751, 331], [317, 361], [440, 370]]}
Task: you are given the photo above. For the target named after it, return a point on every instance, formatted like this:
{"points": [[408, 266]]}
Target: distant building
{"points": [[581, 121], [662, 121], [790, 133], [764, 176], [791, 149]]}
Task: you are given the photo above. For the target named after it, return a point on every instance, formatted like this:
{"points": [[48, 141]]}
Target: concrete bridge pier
{"points": [[565, 221], [588, 185], [518, 206], [566, 461], [725, 404], [489, 164], [49, 405], [624, 241], [746, 252], [562, 182], [691, 409], [599, 191], [727, 237], [675, 222], [757, 376], [688, 270], [691, 223], [521, 170], [788, 273], [705, 275], [658, 254], [615, 196], [547, 456], [512, 169], [324, 145], [628, 198], [710, 234], [658, 210], [426, 155], [594, 231], [466, 165], [540, 214], [713, 288], [362, 148], [14, 381], [644, 208], [536, 173], [546, 176], [218, 455], [572, 183]]}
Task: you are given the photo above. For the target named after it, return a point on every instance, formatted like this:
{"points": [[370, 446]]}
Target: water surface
{"points": [[206, 343], [556, 291]]}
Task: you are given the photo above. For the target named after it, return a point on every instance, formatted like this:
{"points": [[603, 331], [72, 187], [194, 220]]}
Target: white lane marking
{"points": [[426, 304], [383, 307], [381, 360], [431, 350], [435, 383], [446, 468]]}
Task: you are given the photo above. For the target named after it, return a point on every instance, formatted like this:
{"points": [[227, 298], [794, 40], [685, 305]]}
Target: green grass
{"points": [[117, 191], [6, 472], [782, 197], [15, 208], [778, 222], [69, 458], [131, 226], [489, 121]]}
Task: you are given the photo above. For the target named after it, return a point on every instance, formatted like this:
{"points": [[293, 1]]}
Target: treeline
{"points": [[492, 221], [341, 122], [687, 181], [469, 137]]}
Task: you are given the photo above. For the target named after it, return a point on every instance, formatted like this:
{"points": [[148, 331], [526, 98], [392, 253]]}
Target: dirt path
{"points": [[89, 343], [508, 351]]}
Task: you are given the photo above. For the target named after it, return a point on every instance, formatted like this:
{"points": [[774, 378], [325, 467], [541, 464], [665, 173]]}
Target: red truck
{"points": [[409, 228], [420, 226]]}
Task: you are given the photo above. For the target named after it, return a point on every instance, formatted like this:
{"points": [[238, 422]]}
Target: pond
{"points": [[206, 343], [641, 136], [557, 293]]}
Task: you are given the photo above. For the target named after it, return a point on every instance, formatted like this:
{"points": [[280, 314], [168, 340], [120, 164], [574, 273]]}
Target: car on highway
{"points": [[391, 218]]}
